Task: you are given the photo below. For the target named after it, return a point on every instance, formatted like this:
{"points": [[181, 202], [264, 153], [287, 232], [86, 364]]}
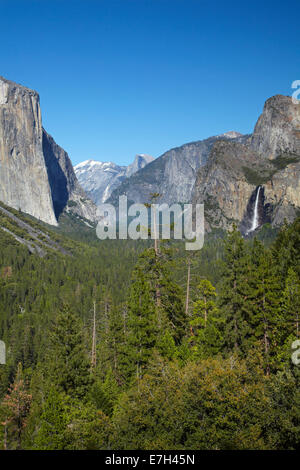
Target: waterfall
{"points": [[255, 222]]}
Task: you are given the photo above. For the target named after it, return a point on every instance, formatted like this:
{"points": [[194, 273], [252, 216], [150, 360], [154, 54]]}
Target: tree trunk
{"points": [[94, 351]]}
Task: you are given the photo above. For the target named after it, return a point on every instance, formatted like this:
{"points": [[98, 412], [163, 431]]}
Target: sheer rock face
{"points": [[65, 189], [36, 175], [222, 186], [277, 130], [224, 172], [282, 192], [227, 184], [173, 174], [23, 175]]}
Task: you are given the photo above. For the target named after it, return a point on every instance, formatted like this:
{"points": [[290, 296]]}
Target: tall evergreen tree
{"points": [[234, 291], [264, 299], [205, 336], [152, 323], [286, 249], [142, 324], [291, 303], [69, 362], [169, 308]]}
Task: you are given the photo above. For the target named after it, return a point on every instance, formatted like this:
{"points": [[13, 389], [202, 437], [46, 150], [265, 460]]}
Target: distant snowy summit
{"points": [[100, 179], [231, 135]]}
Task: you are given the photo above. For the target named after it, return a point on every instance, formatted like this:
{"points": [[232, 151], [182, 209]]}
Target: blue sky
{"points": [[120, 77]]}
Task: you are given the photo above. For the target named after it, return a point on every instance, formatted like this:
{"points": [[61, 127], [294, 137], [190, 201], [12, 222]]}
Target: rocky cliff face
{"points": [[240, 179], [232, 174], [277, 131], [100, 179], [24, 180], [173, 174], [67, 194], [270, 160], [138, 163], [36, 175]]}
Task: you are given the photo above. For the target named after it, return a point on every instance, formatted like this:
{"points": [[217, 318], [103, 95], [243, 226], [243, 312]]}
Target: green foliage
{"points": [[258, 177], [284, 419], [234, 291], [266, 316], [205, 334], [69, 367], [286, 249], [68, 424], [104, 394], [264, 173], [291, 304], [215, 404], [142, 323], [284, 160], [216, 375]]}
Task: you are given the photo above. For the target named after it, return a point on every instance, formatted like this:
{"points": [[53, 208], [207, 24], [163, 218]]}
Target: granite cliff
{"points": [[237, 177], [67, 194], [266, 168], [173, 174], [36, 175], [246, 179], [24, 182]]}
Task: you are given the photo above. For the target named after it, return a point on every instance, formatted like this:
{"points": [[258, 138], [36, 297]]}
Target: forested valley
{"points": [[127, 345]]}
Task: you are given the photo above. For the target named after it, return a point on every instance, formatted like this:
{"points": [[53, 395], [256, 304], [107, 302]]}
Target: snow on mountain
{"points": [[99, 179]]}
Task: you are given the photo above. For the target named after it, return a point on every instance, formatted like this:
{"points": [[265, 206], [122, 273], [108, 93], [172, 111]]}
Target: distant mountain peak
{"points": [[140, 161], [96, 164], [148, 158], [99, 179]]}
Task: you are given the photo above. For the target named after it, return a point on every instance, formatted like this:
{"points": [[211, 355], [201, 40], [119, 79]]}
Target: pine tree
{"points": [[141, 324], [53, 421], [169, 311], [291, 304], [117, 343], [205, 305], [264, 299], [69, 362], [152, 324], [234, 292], [286, 249], [205, 336], [104, 394]]}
